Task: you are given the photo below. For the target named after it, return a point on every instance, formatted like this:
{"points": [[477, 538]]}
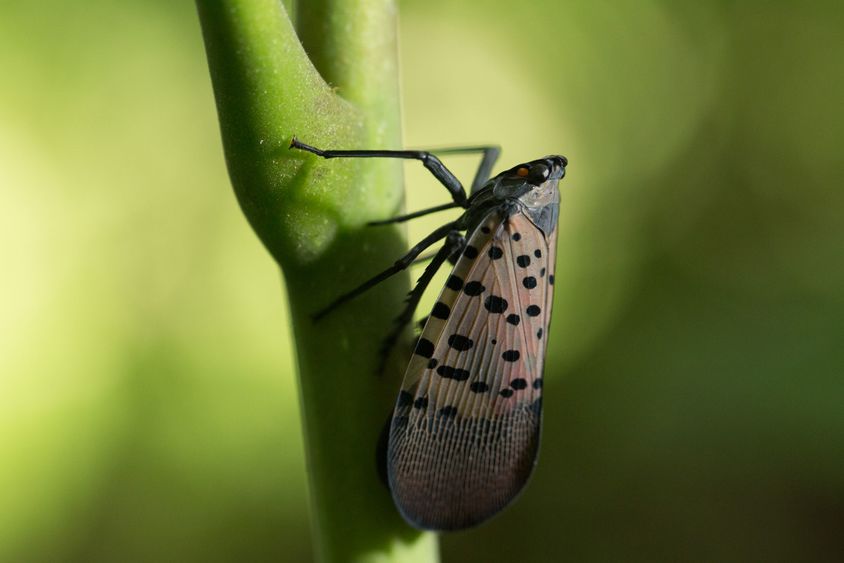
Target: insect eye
{"points": [[522, 171], [539, 173]]}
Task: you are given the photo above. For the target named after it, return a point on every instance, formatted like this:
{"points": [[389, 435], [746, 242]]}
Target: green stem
{"points": [[310, 214]]}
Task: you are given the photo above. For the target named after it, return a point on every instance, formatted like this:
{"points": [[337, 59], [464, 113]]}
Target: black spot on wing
{"points": [[440, 310], [533, 310], [495, 304], [454, 283], [448, 412], [519, 384], [529, 282], [460, 342], [495, 252], [514, 319], [523, 260], [449, 372], [420, 403], [474, 288], [478, 387], [424, 348], [511, 356], [470, 252]]}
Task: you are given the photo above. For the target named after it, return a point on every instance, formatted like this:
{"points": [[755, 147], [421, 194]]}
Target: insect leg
{"points": [[424, 258], [490, 155], [397, 267], [453, 244], [430, 256], [455, 256], [431, 162], [414, 215]]}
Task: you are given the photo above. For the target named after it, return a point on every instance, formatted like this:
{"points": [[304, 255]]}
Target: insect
{"points": [[465, 429]]}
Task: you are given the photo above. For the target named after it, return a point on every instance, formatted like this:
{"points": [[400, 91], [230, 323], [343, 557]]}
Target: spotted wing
{"points": [[466, 426]]}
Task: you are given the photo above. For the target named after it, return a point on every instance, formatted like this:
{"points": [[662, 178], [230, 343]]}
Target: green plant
{"points": [[311, 217]]}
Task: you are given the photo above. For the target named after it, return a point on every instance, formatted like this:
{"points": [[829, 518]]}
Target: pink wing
{"points": [[466, 426]]}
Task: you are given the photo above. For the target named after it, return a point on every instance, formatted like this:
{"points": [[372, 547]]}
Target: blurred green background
{"points": [[695, 386]]}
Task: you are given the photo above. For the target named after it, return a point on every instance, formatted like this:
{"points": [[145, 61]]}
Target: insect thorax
{"points": [[540, 203]]}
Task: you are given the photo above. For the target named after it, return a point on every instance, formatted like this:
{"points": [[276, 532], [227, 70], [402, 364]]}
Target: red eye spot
{"points": [[522, 172]]}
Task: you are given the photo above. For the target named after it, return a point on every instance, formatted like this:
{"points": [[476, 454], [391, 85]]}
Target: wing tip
{"points": [[455, 477]]}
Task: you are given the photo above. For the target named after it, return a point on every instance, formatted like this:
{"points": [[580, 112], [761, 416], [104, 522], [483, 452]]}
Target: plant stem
{"points": [[310, 214]]}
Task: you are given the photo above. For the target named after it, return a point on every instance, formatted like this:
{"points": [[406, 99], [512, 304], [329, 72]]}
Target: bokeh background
{"points": [[695, 385]]}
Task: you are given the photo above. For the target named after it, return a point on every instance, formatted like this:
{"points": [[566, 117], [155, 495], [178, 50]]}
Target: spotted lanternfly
{"points": [[464, 435]]}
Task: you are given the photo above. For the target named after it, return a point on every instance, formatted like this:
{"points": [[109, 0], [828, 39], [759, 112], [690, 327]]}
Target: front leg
{"points": [[431, 162]]}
